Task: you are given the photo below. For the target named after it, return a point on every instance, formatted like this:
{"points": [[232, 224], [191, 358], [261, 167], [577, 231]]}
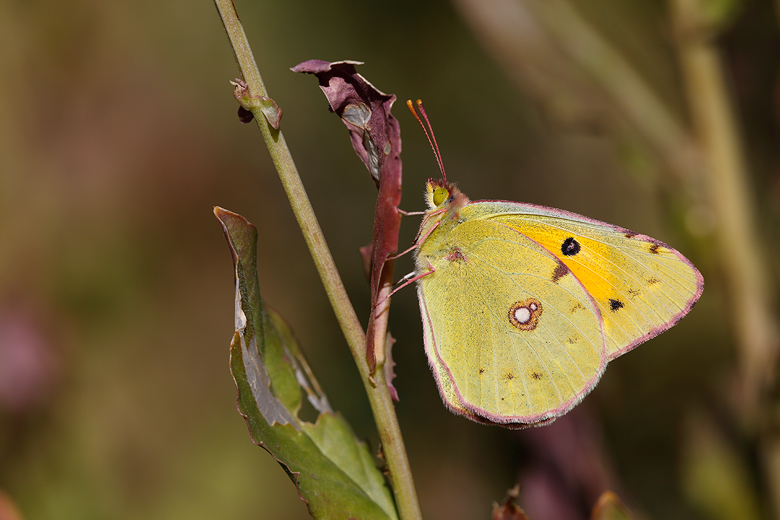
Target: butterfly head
{"points": [[441, 195]]}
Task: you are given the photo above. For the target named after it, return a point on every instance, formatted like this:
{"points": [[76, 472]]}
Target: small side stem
{"points": [[378, 394]]}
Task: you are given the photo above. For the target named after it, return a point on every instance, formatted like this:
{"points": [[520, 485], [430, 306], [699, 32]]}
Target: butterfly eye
{"points": [[440, 195]]}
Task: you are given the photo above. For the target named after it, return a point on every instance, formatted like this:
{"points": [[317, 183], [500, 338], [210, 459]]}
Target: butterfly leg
{"points": [[409, 213], [407, 279], [417, 243]]}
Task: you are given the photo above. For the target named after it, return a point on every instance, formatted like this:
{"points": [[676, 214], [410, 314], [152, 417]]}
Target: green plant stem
{"points": [[378, 394]]}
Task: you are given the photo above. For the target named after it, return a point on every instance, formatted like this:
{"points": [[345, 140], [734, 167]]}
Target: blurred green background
{"points": [[118, 133]]}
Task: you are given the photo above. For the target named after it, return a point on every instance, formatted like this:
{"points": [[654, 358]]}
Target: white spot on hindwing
{"points": [[524, 315]]}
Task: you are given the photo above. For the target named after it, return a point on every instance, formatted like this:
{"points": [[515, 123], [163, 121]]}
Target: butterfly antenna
{"points": [[431, 137]]}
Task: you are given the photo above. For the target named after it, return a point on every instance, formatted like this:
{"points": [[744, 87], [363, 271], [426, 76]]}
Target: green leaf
{"points": [[334, 473]]}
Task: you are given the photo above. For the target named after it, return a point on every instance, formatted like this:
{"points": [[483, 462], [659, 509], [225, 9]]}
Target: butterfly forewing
{"points": [[511, 338], [640, 285]]}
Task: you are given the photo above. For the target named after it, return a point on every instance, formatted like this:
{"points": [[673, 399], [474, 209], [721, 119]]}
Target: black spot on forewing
{"points": [[536, 376], [570, 247], [559, 272], [654, 248], [614, 304]]}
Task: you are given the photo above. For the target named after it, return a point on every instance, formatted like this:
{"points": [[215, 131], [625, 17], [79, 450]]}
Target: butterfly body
{"points": [[523, 306]]}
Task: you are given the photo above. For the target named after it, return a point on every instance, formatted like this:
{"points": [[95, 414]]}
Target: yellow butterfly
{"points": [[523, 306]]}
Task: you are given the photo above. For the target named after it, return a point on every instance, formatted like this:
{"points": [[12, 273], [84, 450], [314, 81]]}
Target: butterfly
{"points": [[523, 306]]}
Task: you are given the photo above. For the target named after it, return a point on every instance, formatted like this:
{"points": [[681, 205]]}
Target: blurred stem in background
{"points": [[744, 264], [551, 50], [555, 54], [750, 287], [376, 388]]}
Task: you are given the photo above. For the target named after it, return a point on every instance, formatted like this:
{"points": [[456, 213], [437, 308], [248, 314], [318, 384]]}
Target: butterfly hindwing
{"points": [[510, 338]]}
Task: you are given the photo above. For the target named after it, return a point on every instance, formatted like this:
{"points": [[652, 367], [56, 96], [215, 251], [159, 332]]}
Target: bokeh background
{"points": [[118, 133]]}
